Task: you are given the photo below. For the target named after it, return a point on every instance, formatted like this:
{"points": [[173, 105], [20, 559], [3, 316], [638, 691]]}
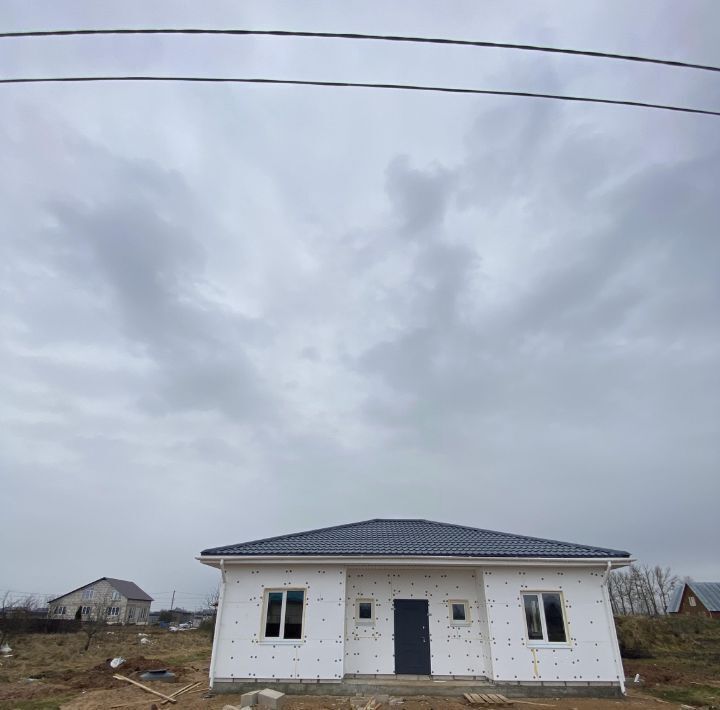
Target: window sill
{"points": [[365, 622], [549, 644], [281, 642]]}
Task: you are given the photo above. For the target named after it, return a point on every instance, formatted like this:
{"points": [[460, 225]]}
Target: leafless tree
{"points": [[14, 615], [96, 620], [212, 599], [641, 589], [665, 583]]}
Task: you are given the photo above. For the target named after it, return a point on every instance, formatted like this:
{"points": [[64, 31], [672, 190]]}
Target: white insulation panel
{"points": [[460, 650], [242, 653], [591, 654], [493, 644]]}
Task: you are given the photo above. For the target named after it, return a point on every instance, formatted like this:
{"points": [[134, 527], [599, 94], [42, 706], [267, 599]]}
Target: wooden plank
{"points": [[479, 700], [487, 698], [540, 705], [181, 691], [499, 699], [469, 698], [144, 687]]}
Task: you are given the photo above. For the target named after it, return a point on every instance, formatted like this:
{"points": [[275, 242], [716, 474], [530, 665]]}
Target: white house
{"points": [[416, 605]]}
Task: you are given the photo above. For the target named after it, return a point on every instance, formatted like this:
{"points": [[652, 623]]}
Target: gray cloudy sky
{"points": [[229, 312]]}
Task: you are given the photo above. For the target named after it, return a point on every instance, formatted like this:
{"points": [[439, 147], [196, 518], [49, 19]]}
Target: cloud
{"points": [[229, 313]]}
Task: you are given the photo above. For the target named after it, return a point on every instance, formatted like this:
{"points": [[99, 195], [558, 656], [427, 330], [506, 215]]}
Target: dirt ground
{"points": [[47, 672]]}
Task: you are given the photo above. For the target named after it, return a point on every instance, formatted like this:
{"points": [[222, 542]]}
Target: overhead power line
{"points": [[358, 85], [358, 36]]}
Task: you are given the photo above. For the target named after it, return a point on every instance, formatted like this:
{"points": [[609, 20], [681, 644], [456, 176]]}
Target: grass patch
{"points": [[677, 657], [697, 695], [51, 703]]}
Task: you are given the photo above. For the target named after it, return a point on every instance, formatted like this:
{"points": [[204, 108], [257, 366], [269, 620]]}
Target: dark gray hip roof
{"points": [[382, 537]]}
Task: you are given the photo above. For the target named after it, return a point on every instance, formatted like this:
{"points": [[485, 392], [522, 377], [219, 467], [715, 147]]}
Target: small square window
{"points": [[365, 611], [691, 601], [459, 612]]}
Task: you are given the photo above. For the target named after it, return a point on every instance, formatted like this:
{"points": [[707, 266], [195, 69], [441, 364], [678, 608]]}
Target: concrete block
{"points": [[269, 698], [247, 700]]}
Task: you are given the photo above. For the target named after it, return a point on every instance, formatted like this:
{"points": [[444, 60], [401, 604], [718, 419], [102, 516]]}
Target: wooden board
{"points": [[486, 699]]}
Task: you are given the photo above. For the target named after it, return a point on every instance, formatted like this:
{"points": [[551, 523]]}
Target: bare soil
{"points": [[52, 671]]}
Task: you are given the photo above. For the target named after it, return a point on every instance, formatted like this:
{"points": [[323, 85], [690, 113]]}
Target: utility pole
{"points": [[172, 601]]}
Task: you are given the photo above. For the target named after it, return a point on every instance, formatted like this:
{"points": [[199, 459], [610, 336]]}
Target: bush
{"points": [[635, 637], [207, 626]]}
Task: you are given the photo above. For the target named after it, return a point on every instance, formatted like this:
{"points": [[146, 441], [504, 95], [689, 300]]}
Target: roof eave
{"points": [[413, 561]]}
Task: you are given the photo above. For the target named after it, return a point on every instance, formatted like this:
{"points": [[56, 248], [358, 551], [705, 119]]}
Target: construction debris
{"points": [[117, 662], [487, 699], [269, 698], [144, 687], [158, 674], [247, 700], [182, 691]]}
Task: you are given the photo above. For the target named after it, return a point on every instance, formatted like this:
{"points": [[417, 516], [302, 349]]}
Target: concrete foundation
{"points": [[424, 686]]}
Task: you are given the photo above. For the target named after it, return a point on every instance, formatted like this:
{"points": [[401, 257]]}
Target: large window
{"points": [[87, 594], [284, 612], [544, 617]]}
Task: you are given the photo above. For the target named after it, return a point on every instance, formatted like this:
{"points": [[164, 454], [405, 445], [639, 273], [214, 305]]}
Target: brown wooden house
{"points": [[697, 598]]}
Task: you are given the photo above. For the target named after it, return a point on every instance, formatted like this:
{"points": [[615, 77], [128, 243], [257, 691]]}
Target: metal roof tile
{"points": [[389, 537]]}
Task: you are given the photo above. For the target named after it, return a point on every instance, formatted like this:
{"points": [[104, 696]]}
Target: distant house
{"points": [[407, 603], [116, 600], [698, 598]]}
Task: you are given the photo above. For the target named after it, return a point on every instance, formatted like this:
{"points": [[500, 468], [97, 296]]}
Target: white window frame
{"points": [[365, 600], [113, 611], [115, 596], [87, 594], [691, 600], [85, 611], [544, 640], [142, 616], [131, 613], [457, 622], [263, 618], [60, 610]]}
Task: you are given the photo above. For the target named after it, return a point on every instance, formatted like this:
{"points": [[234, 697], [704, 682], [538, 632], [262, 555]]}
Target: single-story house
{"points": [[699, 598], [115, 601], [443, 607]]}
